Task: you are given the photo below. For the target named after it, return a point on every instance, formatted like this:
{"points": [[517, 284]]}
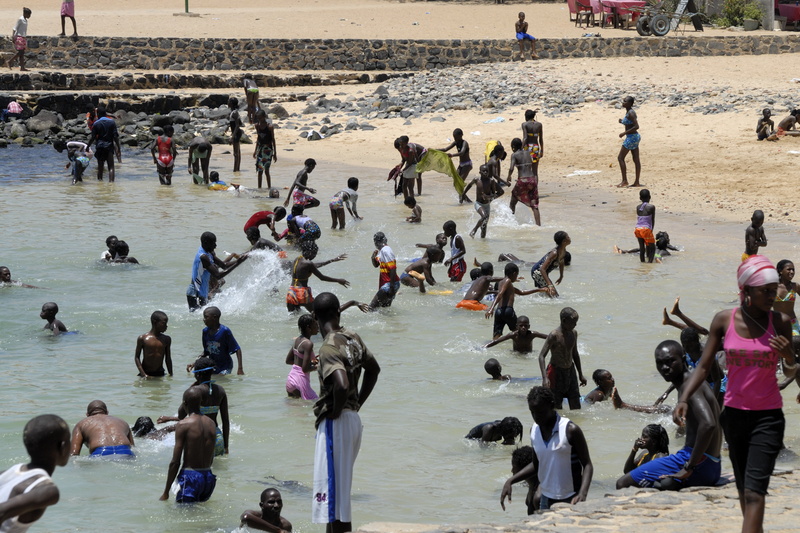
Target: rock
{"points": [[180, 117], [219, 113], [161, 120], [17, 131], [381, 90], [279, 111], [45, 120], [3, 143], [438, 119], [310, 110], [313, 136]]}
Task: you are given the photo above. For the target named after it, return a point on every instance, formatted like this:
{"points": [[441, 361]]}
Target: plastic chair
{"points": [[583, 13]]}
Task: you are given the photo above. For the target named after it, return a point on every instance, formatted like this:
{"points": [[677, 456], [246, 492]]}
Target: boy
{"points": [[199, 158], [49, 312], [156, 348], [297, 191], [526, 189], [457, 265], [464, 162], [105, 134], [765, 126], [388, 283], [78, 154], [419, 272], [521, 28], [561, 375], [348, 197], [493, 368], [269, 517], [477, 291], [219, 343], [216, 183], [522, 337], [520, 458], [416, 211], [19, 38], [111, 244], [645, 221], [754, 237], [123, 250], [5, 279], [503, 306], [167, 152], [27, 488], [487, 190], [195, 437]]}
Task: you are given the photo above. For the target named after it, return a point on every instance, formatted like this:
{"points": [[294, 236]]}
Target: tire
{"points": [[659, 25], [643, 26]]}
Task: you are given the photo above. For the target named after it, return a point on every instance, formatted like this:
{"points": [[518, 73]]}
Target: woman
{"points": [[630, 144], [411, 154], [756, 338], [266, 152]]}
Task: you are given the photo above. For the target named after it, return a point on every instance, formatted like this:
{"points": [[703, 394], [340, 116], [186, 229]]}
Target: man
{"points": [[206, 265], [104, 132], [342, 358], [697, 463], [102, 433], [195, 437]]}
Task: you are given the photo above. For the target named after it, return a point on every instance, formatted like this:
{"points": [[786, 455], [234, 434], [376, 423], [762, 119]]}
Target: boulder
{"points": [[162, 120], [278, 110], [180, 117], [45, 121]]}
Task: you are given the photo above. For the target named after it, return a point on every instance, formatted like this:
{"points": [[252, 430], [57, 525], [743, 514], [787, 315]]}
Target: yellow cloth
{"points": [[488, 153], [441, 162]]}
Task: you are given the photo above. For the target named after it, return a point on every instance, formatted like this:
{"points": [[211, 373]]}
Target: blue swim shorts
{"points": [[631, 141], [195, 485], [705, 474], [123, 449]]}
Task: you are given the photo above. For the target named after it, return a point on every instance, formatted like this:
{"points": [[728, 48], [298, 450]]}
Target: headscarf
{"points": [[756, 271]]}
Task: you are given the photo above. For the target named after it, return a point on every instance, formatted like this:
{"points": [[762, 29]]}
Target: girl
{"points": [[301, 357], [655, 443], [630, 144]]}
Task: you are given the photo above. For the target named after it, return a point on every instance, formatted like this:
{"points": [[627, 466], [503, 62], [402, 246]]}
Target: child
{"points": [[154, 348], [605, 386], [49, 312], [663, 246], [464, 161], [19, 38], [493, 368], [122, 250], [457, 265], [269, 517], [645, 221], [765, 126], [219, 343], [301, 357], [27, 488], [503, 306], [299, 293], [655, 443], [111, 244], [266, 152], [235, 125], [416, 211], [521, 28], [506, 430], [347, 197], [478, 289], [383, 258], [487, 190], [754, 237], [78, 154], [441, 242], [419, 272], [561, 375], [520, 458], [167, 152], [297, 191], [251, 94], [540, 271], [216, 183], [522, 337]]}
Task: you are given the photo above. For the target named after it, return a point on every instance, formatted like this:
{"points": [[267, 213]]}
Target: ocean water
{"points": [[414, 464]]}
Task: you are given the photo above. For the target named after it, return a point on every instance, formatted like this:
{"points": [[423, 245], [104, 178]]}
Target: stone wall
{"points": [[171, 55]]}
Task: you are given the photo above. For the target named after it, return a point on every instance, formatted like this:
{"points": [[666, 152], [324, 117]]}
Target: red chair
{"points": [[584, 13]]}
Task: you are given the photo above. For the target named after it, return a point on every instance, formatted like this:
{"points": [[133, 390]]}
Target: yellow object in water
{"points": [[439, 161], [440, 293], [489, 147]]}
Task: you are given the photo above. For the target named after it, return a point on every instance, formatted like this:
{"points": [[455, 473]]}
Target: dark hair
{"points": [[597, 374], [662, 240], [379, 238], [310, 162], [304, 322], [43, 432], [474, 274], [143, 426], [279, 213], [397, 143], [200, 374], [644, 195], [631, 98], [567, 258], [157, 315], [487, 269], [782, 264], [449, 224], [122, 248], [59, 145], [261, 113], [410, 202], [108, 239], [530, 114], [169, 130], [559, 237], [101, 110], [457, 131], [541, 394], [214, 176], [689, 335], [521, 457], [352, 183], [309, 249], [659, 436], [568, 312], [297, 209], [326, 306], [26, 10], [492, 367], [252, 233], [511, 268], [497, 150], [403, 138], [233, 102], [510, 428], [516, 144]]}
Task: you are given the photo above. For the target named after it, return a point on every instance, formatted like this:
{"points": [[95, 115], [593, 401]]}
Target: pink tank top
{"points": [[752, 384]]}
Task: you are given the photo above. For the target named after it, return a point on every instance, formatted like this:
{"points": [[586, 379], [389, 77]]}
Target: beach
{"points": [[700, 160]]}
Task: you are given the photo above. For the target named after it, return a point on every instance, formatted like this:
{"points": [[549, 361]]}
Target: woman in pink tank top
{"points": [[755, 340]]}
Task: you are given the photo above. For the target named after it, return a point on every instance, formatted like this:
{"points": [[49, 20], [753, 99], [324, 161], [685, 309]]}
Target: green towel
{"points": [[440, 162]]}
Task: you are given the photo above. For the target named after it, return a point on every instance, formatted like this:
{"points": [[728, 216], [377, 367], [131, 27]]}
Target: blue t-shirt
{"points": [[219, 346]]}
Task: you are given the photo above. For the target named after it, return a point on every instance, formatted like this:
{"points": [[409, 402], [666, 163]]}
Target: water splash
{"points": [[258, 279]]}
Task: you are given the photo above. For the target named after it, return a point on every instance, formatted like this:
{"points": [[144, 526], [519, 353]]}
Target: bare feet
{"points": [[618, 251], [472, 234], [534, 56], [665, 321], [676, 307], [622, 184], [23, 69], [475, 262], [62, 34], [636, 184]]}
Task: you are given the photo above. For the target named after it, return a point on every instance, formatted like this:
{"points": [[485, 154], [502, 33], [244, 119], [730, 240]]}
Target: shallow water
{"points": [[414, 464]]}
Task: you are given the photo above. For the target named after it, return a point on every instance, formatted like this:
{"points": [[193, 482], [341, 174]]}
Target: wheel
{"points": [[643, 26], [659, 25]]}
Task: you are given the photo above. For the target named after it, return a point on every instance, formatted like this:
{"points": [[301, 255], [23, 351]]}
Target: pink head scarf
{"points": [[757, 271]]}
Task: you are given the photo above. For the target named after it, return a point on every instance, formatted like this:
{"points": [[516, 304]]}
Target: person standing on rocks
{"points": [[19, 37], [251, 94], [199, 157], [266, 152], [630, 144], [106, 137], [68, 10]]}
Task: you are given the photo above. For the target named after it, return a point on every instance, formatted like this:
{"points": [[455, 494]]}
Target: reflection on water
{"points": [[414, 464]]}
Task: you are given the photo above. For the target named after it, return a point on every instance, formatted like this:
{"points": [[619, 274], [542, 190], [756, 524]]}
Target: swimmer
{"points": [[645, 221], [503, 306], [655, 443], [217, 184], [478, 289], [122, 250], [522, 337], [299, 293], [145, 428], [153, 348], [79, 155], [663, 246], [784, 303], [563, 372], [270, 218], [102, 433], [619, 403], [416, 210], [687, 322], [441, 242], [754, 236], [205, 268], [259, 243], [297, 192], [301, 357], [27, 488], [167, 152], [493, 368], [237, 131], [345, 198], [605, 386], [384, 260], [194, 448], [419, 272], [457, 265], [111, 244], [49, 312], [199, 157], [506, 430], [5, 279], [268, 518]]}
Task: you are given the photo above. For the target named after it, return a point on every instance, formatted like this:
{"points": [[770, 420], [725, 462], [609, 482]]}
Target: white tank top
{"points": [[8, 482], [555, 460]]}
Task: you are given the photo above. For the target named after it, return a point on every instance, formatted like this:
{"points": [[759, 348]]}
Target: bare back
{"points": [[198, 433], [100, 430]]}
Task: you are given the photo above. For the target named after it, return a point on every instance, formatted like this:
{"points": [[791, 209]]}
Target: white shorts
{"points": [[338, 442]]}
